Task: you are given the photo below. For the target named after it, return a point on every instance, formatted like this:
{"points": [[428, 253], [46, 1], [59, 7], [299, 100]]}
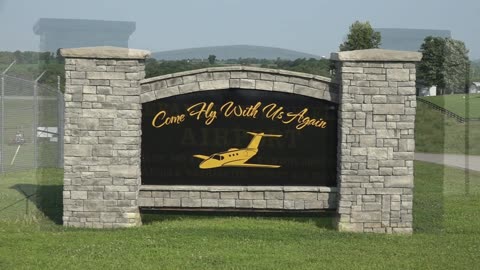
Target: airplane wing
{"points": [[201, 156], [265, 135], [251, 165]]}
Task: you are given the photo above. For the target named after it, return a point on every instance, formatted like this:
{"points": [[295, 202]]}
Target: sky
{"points": [[311, 26]]}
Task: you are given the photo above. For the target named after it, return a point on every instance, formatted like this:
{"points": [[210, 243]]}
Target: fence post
{"points": [[2, 118], [35, 120], [60, 120], [35, 124]]}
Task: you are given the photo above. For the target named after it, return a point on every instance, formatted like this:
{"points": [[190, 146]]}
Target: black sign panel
{"points": [[239, 137]]}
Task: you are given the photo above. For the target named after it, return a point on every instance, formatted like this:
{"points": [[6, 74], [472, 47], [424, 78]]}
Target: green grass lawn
{"points": [[446, 221], [437, 133], [458, 104]]}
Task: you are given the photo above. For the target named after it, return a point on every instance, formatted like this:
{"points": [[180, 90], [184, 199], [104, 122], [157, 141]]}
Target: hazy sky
{"points": [[312, 26]]}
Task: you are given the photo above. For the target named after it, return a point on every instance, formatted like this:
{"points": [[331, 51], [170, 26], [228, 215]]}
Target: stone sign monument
{"points": [[240, 138]]}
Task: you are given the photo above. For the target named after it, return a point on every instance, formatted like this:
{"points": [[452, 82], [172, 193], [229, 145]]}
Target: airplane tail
{"points": [[257, 137]]}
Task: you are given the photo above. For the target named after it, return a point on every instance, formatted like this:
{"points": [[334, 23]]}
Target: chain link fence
{"points": [[30, 125], [31, 147]]}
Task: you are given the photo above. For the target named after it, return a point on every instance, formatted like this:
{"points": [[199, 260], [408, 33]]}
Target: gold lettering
{"points": [[299, 116], [161, 115], [205, 111], [227, 108], [304, 120], [230, 108], [307, 121], [252, 111], [271, 111]]}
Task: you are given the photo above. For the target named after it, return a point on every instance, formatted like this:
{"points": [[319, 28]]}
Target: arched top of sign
{"points": [[239, 77]]}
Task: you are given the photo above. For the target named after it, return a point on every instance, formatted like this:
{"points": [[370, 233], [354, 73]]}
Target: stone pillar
{"points": [[376, 140], [102, 136]]}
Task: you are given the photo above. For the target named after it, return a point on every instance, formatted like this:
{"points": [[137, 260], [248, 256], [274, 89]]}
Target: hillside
{"points": [[458, 104], [232, 52], [438, 133]]}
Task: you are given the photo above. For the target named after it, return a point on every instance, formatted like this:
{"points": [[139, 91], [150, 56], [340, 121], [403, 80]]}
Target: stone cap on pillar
{"points": [[376, 55], [104, 52]]}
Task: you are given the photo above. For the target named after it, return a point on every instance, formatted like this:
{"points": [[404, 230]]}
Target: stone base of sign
{"points": [[234, 197]]}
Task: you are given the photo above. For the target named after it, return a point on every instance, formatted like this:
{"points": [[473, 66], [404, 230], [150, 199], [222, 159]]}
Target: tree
{"points": [[445, 64], [211, 59], [456, 66], [361, 36], [18, 56], [431, 67]]}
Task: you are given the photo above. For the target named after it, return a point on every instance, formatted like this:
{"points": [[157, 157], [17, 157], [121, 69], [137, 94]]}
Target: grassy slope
{"points": [[436, 133], [458, 104], [447, 225]]}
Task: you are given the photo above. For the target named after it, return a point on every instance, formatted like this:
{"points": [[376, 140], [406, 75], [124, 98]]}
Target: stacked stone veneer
{"points": [[102, 136], [242, 198], [376, 143], [220, 78]]}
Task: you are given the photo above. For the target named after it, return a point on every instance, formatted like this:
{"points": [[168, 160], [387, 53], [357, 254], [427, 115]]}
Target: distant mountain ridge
{"points": [[232, 52]]}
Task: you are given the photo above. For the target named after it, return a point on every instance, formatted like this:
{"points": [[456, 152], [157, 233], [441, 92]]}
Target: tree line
{"points": [[314, 66], [445, 62], [29, 65]]}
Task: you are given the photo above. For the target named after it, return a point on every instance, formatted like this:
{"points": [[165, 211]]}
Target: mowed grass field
{"points": [[467, 106], [446, 222], [437, 133]]}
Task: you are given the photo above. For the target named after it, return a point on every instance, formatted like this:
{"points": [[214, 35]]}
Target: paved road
{"points": [[453, 160]]}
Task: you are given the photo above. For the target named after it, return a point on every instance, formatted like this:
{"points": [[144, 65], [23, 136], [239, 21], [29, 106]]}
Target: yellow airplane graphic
{"points": [[235, 157]]}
